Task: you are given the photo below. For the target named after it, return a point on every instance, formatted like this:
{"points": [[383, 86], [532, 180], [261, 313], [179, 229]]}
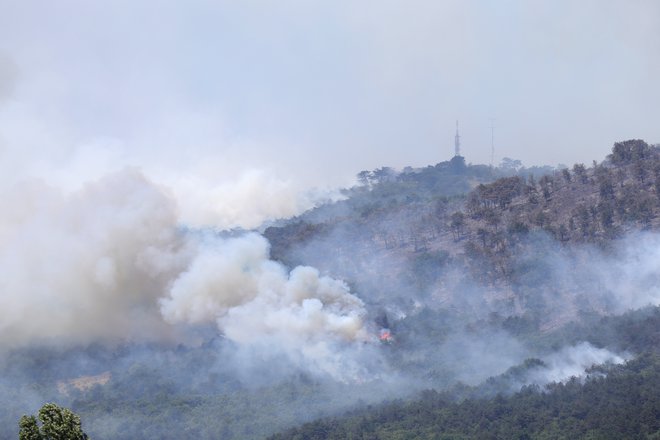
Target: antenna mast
{"points": [[492, 142], [457, 142]]}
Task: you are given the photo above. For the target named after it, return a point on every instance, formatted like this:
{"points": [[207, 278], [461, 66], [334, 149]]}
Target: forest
{"points": [[610, 403], [492, 302]]}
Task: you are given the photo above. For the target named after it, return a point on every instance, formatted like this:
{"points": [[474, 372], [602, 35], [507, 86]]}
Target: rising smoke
{"points": [[257, 302], [112, 263], [572, 361]]}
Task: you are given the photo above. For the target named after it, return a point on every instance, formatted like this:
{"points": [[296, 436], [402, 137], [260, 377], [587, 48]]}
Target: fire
{"points": [[386, 335]]}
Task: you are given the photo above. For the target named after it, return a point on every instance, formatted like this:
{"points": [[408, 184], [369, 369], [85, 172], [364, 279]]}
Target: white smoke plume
{"points": [[110, 261], [632, 276], [256, 302], [222, 204], [208, 192], [85, 266], [573, 361]]}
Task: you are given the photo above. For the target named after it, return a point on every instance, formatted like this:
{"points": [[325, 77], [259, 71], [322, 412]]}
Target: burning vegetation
{"points": [[386, 336]]}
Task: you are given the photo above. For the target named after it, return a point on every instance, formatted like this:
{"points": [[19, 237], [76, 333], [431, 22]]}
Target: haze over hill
{"points": [[226, 102], [414, 284], [226, 219]]}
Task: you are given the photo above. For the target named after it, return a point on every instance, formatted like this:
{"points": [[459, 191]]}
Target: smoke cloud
{"points": [[572, 361], [86, 266], [223, 205], [632, 275], [110, 262], [256, 302]]}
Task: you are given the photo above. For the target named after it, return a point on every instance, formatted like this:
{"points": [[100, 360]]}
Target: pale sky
{"points": [[204, 93]]}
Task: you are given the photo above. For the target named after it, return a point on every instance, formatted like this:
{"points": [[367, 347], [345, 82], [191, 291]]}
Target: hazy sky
{"points": [[217, 92]]}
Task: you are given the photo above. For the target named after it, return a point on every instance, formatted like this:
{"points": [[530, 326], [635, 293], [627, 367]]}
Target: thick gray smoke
{"points": [[86, 266], [111, 263]]}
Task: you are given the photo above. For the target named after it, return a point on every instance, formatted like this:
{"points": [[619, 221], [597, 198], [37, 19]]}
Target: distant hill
{"points": [[482, 279], [400, 232], [385, 194]]}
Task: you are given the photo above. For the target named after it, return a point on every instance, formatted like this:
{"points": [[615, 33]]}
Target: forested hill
{"points": [[386, 198], [621, 402], [514, 236], [611, 402], [471, 281], [554, 260], [481, 207]]}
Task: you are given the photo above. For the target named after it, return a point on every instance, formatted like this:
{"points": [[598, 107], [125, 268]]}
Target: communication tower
{"points": [[492, 141]]}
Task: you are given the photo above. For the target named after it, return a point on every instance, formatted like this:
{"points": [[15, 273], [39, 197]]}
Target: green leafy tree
{"points": [[57, 423], [29, 429]]}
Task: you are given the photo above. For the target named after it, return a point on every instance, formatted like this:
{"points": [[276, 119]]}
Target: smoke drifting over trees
{"points": [[177, 261], [111, 263], [118, 287]]}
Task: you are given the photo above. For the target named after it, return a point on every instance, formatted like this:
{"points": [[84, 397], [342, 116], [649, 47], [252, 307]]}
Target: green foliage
{"points": [[624, 404], [57, 423], [29, 429], [503, 232], [625, 152]]}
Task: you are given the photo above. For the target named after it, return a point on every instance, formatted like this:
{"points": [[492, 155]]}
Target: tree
{"points": [[29, 429], [547, 186], [581, 213], [510, 165], [626, 152], [383, 174], [639, 170], [606, 211], [605, 183], [57, 423], [581, 172], [364, 177], [457, 224], [457, 164]]}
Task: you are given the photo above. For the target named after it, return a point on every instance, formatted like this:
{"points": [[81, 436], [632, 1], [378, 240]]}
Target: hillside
{"points": [[614, 403], [608, 402], [495, 236], [526, 279]]}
